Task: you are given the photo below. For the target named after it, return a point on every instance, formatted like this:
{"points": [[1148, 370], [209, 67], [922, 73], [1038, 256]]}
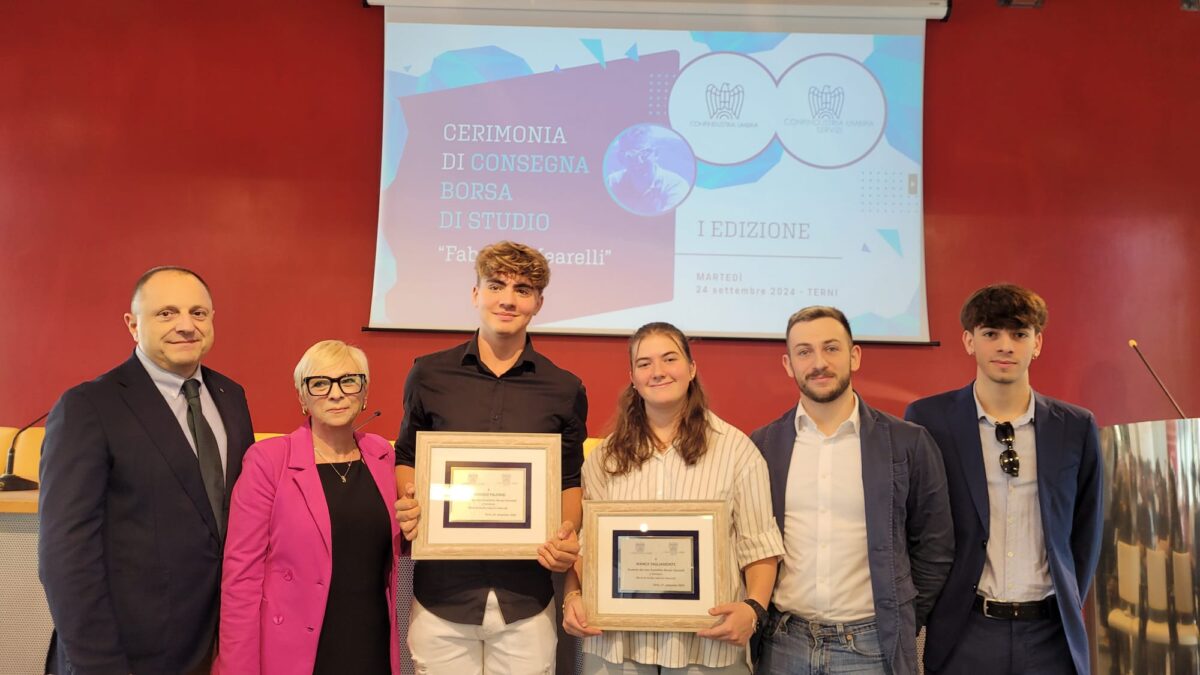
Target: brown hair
{"points": [[632, 442], [508, 258], [815, 312], [1006, 306]]}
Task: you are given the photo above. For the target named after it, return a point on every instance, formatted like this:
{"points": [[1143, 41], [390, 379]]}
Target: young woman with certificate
{"points": [[667, 445]]}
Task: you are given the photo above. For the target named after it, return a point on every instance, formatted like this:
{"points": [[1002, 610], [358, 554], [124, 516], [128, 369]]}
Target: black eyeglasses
{"points": [[1010, 463], [319, 385]]}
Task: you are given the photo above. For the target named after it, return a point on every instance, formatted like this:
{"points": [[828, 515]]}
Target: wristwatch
{"points": [[760, 613]]}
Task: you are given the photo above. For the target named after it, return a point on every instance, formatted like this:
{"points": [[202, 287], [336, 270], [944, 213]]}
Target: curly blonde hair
{"points": [[508, 258]]}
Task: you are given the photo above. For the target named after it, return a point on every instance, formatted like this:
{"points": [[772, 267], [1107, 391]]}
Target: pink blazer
{"points": [[278, 559]]}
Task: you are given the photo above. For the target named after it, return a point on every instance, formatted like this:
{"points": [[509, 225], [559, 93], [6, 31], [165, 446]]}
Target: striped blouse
{"points": [[731, 469]]}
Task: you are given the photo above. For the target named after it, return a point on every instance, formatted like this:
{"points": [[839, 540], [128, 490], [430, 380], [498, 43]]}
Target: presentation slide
{"points": [[716, 180]]}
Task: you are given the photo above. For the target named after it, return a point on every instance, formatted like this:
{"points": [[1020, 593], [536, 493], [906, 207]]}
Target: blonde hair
{"points": [[508, 258], [328, 351]]}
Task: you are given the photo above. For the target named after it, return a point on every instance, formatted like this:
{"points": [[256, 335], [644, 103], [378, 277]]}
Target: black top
{"points": [[356, 632], [453, 390]]}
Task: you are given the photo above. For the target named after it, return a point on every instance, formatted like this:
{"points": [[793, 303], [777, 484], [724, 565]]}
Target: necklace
{"points": [[332, 465]]}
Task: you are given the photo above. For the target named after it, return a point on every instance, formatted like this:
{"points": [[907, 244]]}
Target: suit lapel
{"points": [[876, 452], [1048, 429], [384, 473], [303, 466], [155, 416], [781, 442], [964, 421]]}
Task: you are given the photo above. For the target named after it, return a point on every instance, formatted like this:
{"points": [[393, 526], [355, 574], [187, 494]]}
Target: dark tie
{"points": [[207, 452]]}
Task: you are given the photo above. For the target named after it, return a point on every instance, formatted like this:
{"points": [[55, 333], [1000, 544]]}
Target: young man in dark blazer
{"points": [[1024, 473], [860, 497], [136, 471]]}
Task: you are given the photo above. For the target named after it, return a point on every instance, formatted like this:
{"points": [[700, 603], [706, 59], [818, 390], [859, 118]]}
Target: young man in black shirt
{"points": [[493, 617]]}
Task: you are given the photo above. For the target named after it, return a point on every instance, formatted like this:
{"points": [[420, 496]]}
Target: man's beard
{"points": [[832, 395]]}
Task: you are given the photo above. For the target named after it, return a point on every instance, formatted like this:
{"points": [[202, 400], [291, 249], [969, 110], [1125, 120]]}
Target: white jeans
{"points": [[441, 647], [594, 665]]}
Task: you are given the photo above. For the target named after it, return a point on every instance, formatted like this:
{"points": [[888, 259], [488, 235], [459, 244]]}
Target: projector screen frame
{"points": [[771, 16]]}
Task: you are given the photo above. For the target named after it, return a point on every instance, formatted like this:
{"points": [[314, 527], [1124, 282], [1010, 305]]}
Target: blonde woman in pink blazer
{"points": [[309, 578]]}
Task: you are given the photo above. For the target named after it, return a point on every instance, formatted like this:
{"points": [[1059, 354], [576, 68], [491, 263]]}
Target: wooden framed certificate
{"points": [[487, 496], [655, 565]]}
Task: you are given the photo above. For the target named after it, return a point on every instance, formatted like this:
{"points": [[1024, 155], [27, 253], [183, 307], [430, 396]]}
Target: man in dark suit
{"points": [[1024, 473], [860, 497], [136, 470]]}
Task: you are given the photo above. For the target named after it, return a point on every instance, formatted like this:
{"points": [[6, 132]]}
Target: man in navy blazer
{"points": [[1024, 473], [131, 524], [860, 497]]}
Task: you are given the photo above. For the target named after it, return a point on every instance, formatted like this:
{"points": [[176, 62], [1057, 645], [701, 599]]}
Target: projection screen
{"points": [[716, 179]]}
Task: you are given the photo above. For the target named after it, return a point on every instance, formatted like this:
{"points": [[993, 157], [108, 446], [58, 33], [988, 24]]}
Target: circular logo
{"points": [[722, 103], [832, 111]]}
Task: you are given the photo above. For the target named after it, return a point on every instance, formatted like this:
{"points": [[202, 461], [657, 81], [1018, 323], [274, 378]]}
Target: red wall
{"points": [[241, 138]]}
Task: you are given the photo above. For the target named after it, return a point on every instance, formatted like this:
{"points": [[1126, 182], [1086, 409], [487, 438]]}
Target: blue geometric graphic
{"points": [[713, 177], [896, 61], [742, 43], [395, 86], [903, 324], [597, 49], [465, 67], [892, 237]]}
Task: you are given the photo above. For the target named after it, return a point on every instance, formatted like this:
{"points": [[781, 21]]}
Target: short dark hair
{"points": [[148, 274], [815, 312], [1006, 306]]}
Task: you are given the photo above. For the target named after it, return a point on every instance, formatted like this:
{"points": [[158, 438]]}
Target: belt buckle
{"points": [[988, 614]]}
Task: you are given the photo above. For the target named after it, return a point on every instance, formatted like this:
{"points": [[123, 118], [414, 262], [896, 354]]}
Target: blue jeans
{"points": [[793, 646]]}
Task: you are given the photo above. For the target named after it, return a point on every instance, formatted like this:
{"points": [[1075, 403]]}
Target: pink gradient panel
{"points": [[587, 236]]}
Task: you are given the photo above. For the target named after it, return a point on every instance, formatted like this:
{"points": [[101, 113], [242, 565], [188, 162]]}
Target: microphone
{"points": [[367, 421], [1134, 344], [10, 482]]}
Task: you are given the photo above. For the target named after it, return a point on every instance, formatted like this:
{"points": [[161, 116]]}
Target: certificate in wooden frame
{"points": [[655, 565], [487, 496]]}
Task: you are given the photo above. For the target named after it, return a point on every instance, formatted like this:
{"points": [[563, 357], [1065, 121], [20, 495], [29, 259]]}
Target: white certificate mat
{"points": [[451, 507], [486, 496], [655, 565]]}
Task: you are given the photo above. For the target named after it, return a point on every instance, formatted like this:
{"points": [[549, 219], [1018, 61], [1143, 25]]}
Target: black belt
{"points": [[1017, 611]]}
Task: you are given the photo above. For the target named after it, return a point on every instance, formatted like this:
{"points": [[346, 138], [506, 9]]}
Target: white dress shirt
{"points": [[730, 469], [825, 576], [1016, 569], [170, 386]]}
